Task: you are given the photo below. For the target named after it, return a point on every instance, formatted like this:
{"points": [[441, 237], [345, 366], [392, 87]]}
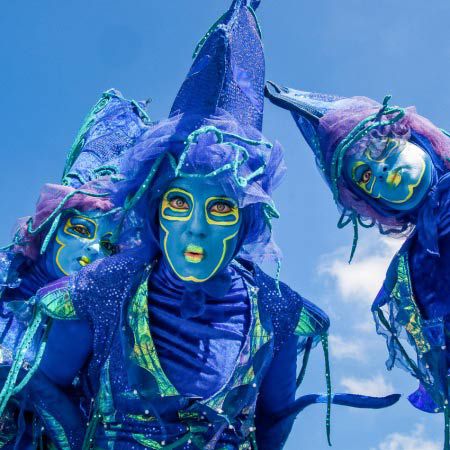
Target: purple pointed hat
{"points": [[112, 126]]}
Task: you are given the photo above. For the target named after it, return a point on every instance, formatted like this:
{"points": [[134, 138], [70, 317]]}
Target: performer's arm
{"points": [[277, 391], [57, 411], [68, 347]]}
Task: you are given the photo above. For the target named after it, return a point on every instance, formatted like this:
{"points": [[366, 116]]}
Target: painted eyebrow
{"points": [[83, 222], [223, 197], [177, 191], [356, 168]]}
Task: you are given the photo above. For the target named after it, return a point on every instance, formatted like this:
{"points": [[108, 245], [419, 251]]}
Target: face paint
{"points": [[399, 176], [199, 227], [80, 240]]}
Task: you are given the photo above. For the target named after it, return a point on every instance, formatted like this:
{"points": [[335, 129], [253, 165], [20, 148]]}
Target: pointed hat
{"points": [[112, 126], [228, 70]]}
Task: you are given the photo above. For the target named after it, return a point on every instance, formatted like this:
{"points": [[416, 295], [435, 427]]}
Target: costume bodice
{"points": [[141, 400]]}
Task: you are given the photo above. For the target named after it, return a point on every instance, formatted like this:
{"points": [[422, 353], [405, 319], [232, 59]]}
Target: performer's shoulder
{"points": [[110, 273], [102, 285], [289, 311]]}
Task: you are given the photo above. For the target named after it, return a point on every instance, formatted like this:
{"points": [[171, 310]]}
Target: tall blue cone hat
{"points": [[228, 69]]}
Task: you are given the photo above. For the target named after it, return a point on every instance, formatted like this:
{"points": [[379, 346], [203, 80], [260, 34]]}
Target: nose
{"points": [[383, 172], [197, 225], [94, 248]]}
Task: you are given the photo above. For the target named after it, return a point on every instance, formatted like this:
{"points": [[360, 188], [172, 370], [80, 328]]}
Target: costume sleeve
{"points": [[298, 325], [277, 391], [57, 410], [59, 413], [69, 345]]}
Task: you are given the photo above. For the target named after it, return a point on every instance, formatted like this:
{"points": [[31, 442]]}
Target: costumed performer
{"points": [[389, 167], [73, 226]]}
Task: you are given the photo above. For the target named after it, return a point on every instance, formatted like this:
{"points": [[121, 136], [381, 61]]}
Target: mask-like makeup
{"points": [[399, 176], [80, 240], [199, 226]]}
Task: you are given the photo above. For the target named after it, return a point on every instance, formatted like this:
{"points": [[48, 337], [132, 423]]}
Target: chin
{"points": [[194, 272]]}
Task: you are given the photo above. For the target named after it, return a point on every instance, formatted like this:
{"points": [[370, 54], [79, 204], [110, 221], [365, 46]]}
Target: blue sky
{"points": [[57, 57]]}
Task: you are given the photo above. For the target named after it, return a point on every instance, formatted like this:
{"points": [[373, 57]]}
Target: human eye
{"points": [[222, 207], [365, 176], [80, 229], [179, 203]]}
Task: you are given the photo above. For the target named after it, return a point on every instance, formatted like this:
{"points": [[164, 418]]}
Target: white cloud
{"points": [[376, 386], [342, 348], [360, 281], [413, 441], [366, 325]]}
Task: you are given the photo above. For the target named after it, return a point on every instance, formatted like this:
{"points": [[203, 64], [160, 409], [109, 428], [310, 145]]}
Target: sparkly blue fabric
{"points": [[430, 255], [228, 72], [113, 126]]}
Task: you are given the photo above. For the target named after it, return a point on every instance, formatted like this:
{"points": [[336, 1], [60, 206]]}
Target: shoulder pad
{"points": [[312, 321], [54, 300], [290, 313]]}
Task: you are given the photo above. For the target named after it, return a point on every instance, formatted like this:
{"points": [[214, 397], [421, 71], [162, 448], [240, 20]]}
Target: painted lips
{"points": [[394, 178], [194, 253], [84, 261]]}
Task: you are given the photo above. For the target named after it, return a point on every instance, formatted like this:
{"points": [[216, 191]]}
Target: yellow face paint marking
{"points": [[83, 260], [391, 150], [234, 212], [69, 224], [194, 254], [165, 204], [192, 278], [394, 178], [411, 187], [58, 255]]}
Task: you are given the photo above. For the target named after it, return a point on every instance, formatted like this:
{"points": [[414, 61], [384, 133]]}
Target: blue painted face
{"points": [[80, 240], [199, 226], [399, 175]]}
